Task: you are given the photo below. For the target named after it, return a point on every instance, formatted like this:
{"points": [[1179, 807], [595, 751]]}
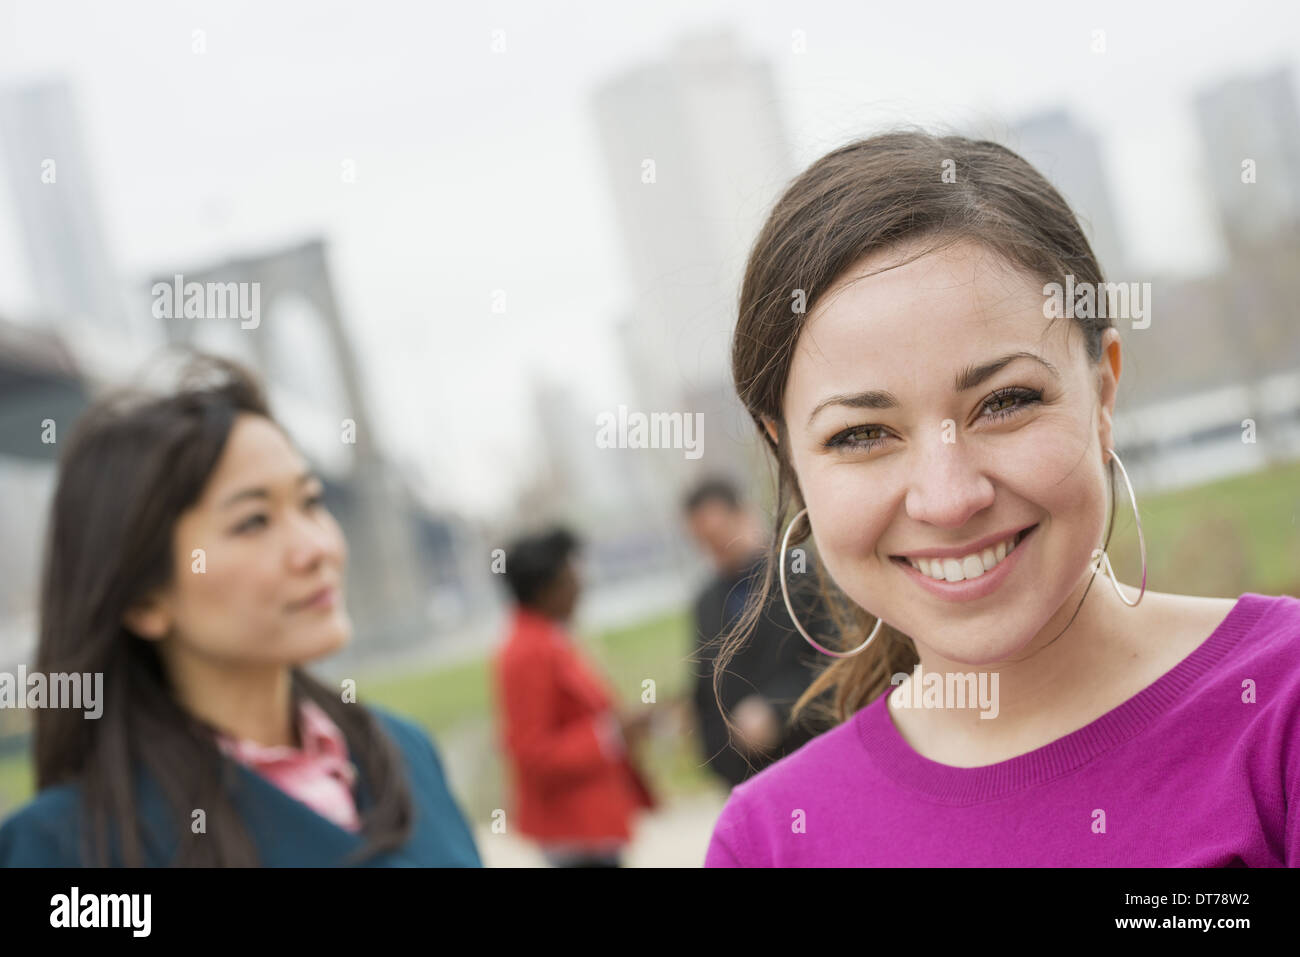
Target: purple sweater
{"points": [[1186, 773]]}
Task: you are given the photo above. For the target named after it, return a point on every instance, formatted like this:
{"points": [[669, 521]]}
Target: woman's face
{"points": [[941, 468], [268, 590]]}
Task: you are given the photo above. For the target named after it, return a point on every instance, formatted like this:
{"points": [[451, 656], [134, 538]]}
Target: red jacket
{"points": [[567, 786]]}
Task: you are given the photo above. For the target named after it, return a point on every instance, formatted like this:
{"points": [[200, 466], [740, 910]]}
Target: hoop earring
{"points": [[785, 593], [1099, 556]]}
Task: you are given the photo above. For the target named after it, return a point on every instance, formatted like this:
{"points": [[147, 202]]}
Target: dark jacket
{"points": [[775, 662], [45, 832]]}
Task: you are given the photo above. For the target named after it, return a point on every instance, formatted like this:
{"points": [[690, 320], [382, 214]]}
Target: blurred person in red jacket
{"points": [[572, 754]]}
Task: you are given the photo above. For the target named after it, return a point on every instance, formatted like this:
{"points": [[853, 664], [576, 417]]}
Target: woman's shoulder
{"points": [[789, 786], [1265, 630], [821, 756], [411, 739], [440, 822], [1271, 626], [1280, 612], [421, 753], [44, 831]]}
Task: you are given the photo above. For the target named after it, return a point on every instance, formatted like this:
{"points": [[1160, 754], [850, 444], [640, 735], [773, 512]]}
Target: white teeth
{"points": [[969, 566]]}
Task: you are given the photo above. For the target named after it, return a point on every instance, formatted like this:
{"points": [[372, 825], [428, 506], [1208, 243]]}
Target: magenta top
{"points": [[1199, 769]]}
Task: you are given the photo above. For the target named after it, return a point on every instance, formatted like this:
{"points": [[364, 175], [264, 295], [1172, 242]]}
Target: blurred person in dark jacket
{"points": [[572, 754], [774, 667]]}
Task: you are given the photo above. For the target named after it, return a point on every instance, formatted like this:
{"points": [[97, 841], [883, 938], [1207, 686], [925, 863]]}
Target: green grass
{"points": [[16, 783], [443, 699], [1236, 535], [1218, 540]]}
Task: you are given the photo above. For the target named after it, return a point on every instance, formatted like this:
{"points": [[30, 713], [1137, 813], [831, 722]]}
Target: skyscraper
{"points": [[696, 153], [49, 173], [1069, 156], [1250, 133]]}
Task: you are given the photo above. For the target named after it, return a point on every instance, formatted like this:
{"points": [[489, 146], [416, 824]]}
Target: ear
{"points": [[771, 429], [1108, 371], [149, 619]]}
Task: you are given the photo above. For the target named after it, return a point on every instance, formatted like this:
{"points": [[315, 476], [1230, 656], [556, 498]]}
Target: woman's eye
{"points": [[250, 523], [1000, 405], [1017, 400], [316, 501], [846, 439]]}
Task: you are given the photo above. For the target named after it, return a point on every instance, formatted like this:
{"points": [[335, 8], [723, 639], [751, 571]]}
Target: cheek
{"points": [[1058, 474], [339, 544], [852, 516], [233, 600]]}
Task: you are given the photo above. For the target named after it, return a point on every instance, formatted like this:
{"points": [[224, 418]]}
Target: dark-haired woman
{"points": [[191, 562], [943, 432]]}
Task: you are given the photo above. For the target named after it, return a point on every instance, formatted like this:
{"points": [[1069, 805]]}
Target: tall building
{"points": [[1252, 123], [50, 178], [696, 153], [1070, 157]]}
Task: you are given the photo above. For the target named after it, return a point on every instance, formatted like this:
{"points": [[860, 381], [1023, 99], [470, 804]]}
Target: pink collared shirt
{"points": [[318, 774]]}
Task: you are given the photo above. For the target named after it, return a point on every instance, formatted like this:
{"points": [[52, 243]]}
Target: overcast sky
{"points": [[478, 171]]}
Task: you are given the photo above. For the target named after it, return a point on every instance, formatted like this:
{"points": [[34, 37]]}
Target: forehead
{"points": [[913, 327], [256, 453], [711, 510]]}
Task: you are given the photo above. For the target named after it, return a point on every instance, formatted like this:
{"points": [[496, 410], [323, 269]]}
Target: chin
{"points": [[980, 652], [327, 641]]}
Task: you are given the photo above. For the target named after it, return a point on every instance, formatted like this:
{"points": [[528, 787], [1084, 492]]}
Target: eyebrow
{"points": [[302, 479], [966, 379]]}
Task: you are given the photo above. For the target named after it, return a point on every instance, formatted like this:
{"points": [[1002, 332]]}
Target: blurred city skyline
{"points": [[479, 171]]}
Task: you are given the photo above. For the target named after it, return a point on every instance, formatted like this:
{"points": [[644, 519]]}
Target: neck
{"points": [[553, 615], [253, 703], [1045, 687]]}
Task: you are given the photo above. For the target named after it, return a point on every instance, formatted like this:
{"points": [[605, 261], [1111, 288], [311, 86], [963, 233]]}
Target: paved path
{"points": [[676, 835]]}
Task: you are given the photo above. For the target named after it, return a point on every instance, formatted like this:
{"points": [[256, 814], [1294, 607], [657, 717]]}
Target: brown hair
{"points": [[871, 195], [134, 463]]}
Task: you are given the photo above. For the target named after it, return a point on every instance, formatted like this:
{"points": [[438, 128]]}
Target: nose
{"points": [[311, 541], [948, 484]]}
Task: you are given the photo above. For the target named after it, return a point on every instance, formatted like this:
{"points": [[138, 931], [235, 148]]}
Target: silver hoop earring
{"points": [[785, 593], [1099, 556]]}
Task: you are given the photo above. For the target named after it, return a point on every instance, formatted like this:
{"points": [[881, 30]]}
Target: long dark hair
{"points": [[870, 195], [133, 463]]}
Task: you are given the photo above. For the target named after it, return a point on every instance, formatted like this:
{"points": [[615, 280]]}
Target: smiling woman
{"points": [[948, 446], [193, 564]]}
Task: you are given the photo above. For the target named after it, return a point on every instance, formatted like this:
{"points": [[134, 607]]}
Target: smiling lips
{"points": [[972, 564], [321, 598]]}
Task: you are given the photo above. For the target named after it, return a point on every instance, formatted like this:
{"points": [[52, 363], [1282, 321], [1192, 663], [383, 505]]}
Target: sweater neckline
{"points": [[948, 784]]}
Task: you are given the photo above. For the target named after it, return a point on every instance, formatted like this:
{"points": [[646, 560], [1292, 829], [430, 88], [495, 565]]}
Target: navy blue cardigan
{"points": [[287, 833]]}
